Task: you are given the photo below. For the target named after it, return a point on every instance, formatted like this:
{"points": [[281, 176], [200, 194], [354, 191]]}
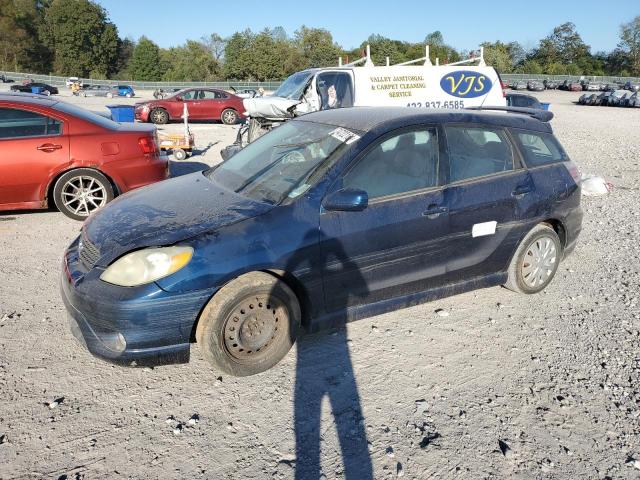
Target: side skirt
{"points": [[336, 319]]}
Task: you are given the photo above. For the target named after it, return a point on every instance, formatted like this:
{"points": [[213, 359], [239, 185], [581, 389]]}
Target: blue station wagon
{"points": [[332, 217]]}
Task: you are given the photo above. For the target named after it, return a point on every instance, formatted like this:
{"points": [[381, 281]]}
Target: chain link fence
{"points": [[513, 77], [273, 85], [226, 85]]}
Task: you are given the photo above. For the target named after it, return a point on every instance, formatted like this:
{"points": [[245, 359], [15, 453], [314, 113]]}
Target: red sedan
{"points": [[202, 104], [54, 153]]}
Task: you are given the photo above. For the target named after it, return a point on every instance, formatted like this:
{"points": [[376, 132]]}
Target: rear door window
{"points": [[477, 152], [15, 123], [540, 149]]}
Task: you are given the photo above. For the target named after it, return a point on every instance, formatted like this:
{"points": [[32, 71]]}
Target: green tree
{"points": [[82, 38], [190, 62], [238, 56], [564, 46], [317, 47], [19, 45], [146, 62], [630, 44], [438, 49], [383, 47], [125, 51], [503, 56]]}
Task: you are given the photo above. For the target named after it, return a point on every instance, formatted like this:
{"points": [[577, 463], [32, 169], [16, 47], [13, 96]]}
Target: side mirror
{"points": [[346, 200], [179, 99]]}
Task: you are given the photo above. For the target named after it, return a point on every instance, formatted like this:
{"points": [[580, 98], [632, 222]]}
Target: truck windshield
{"points": [[293, 87], [285, 163]]}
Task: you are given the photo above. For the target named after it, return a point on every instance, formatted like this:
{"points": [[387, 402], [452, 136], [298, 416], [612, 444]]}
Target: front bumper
{"points": [[141, 114], [156, 325]]}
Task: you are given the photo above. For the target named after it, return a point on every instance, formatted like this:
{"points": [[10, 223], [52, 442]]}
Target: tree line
{"points": [[76, 38]]}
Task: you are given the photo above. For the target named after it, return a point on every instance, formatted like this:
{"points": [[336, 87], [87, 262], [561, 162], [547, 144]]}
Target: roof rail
{"points": [[542, 115]]}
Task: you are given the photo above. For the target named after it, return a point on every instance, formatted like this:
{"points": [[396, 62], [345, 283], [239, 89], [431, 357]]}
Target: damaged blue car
{"points": [[331, 217]]}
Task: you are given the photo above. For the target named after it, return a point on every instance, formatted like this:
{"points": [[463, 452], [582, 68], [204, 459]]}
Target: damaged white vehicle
{"points": [[454, 86]]}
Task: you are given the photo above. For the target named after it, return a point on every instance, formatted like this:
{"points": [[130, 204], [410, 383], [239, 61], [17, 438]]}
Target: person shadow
{"points": [[324, 369]]}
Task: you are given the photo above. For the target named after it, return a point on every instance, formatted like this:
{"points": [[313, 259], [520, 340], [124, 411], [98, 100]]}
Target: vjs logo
{"points": [[465, 84]]}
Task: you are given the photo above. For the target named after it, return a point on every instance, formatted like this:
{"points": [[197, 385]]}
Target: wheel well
{"points": [[49, 194], [291, 281], [558, 227]]}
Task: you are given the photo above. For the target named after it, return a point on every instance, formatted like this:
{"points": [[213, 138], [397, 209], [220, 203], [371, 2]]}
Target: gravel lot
{"points": [[505, 385]]}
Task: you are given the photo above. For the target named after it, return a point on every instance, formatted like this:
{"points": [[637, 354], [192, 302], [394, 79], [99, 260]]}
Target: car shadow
{"points": [[177, 169], [324, 369]]}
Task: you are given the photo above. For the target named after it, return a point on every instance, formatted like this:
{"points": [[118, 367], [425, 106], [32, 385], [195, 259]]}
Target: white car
{"points": [[71, 80]]}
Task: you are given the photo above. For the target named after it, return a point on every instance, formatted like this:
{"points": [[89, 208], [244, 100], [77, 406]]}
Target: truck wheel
{"points": [[249, 325], [536, 261], [179, 154], [229, 116], [159, 116], [80, 192]]}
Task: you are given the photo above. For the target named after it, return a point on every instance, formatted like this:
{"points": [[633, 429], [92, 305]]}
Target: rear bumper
{"points": [[573, 227], [140, 325]]}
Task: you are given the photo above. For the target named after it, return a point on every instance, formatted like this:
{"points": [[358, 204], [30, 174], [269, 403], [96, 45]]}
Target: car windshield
{"points": [[293, 87], [86, 115], [285, 163]]}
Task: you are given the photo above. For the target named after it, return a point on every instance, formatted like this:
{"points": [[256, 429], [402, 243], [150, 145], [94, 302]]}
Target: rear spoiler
{"points": [[542, 115]]}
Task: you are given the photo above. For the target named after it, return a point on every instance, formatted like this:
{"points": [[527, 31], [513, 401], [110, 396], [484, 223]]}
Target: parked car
{"points": [[202, 103], [26, 88], [633, 101], [564, 85], [55, 153], [617, 97], [5, 79], [634, 87], [535, 86], [590, 87], [520, 85], [575, 87], [98, 91], [550, 84], [332, 216], [523, 101], [165, 92], [587, 99], [71, 80], [124, 91], [602, 99]]}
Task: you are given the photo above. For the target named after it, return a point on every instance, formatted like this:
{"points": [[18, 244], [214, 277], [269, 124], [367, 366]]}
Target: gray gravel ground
{"points": [[505, 385]]}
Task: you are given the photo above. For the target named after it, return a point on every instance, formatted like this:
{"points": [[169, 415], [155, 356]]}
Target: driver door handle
{"points": [[49, 147], [521, 190], [434, 211]]}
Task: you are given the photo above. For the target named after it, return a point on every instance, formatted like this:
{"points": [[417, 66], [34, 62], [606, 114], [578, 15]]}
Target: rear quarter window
{"points": [[539, 149]]}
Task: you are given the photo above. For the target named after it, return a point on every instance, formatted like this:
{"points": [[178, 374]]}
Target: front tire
{"points": [[229, 116], [249, 325], [159, 116], [536, 261], [80, 192]]}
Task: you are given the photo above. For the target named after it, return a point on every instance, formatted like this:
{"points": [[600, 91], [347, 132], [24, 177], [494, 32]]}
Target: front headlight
{"points": [[146, 266]]}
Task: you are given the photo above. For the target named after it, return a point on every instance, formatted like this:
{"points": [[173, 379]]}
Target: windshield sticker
{"points": [[344, 135]]}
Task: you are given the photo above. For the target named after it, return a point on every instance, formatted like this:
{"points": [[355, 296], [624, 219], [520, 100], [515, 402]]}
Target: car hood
{"points": [[269, 107], [165, 213]]}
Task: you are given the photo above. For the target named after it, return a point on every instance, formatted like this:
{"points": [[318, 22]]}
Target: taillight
{"points": [[573, 171], [147, 145]]}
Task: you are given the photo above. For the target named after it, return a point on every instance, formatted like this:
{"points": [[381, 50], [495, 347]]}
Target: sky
{"points": [[463, 23]]}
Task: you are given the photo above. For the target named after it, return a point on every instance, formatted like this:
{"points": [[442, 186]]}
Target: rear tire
{"points": [[159, 116], [80, 192], [249, 325], [535, 262], [229, 116]]}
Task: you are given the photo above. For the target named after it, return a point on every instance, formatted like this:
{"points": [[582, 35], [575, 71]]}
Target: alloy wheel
{"points": [[83, 195]]}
